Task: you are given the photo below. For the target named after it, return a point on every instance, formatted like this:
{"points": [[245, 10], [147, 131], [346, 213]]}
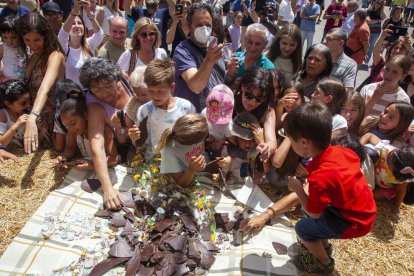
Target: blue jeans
{"points": [[309, 38], [372, 40], [330, 225]]}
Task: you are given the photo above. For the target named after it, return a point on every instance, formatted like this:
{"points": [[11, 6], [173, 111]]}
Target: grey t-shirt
{"points": [[175, 156]]}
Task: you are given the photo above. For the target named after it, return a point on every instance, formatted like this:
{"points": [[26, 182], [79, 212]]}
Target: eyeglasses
{"points": [[145, 35], [110, 87], [251, 96]]}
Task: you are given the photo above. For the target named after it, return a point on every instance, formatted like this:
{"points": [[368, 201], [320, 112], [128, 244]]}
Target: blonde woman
{"points": [[145, 43]]}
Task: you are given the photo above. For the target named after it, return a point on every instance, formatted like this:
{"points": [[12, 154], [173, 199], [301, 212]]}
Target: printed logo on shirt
{"points": [[194, 152]]}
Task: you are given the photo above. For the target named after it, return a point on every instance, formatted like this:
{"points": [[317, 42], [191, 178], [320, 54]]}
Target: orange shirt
{"points": [[358, 35]]}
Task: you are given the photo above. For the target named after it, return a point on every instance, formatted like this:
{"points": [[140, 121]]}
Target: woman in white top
{"points": [[145, 43], [73, 39], [110, 9]]}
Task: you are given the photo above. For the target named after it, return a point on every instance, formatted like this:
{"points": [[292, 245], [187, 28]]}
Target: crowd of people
{"points": [[95, 81]]}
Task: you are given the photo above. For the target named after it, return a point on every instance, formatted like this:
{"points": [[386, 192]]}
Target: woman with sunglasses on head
{"points": [[73, 39], [255, 94], [145, 43]]}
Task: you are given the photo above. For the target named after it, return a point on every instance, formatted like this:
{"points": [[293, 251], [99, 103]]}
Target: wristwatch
{"points": [[36, 113]]}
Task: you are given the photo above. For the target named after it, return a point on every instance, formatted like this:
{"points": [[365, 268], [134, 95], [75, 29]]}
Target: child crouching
{"points": [[339, 203], [182, 148]]}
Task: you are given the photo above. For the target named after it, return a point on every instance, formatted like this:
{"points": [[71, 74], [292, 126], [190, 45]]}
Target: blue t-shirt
{"points": [[308, 25], [187, 55], [160, 18], [263, 62], [6, 11]]}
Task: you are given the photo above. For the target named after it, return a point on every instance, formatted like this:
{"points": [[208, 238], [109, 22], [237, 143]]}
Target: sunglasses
{"points": [[145, 35], [251, 96]]}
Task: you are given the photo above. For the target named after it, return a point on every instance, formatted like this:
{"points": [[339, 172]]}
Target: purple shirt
{"points": [[187, 55]]}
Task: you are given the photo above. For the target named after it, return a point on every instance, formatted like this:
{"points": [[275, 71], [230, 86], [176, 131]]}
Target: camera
{"points": [[179, 8]]}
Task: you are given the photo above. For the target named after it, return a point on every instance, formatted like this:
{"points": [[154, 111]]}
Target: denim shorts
{"points": [[330, 225]]}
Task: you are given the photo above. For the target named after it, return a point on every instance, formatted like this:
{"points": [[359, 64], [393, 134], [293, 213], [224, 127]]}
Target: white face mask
{"points": [[202, 34]]}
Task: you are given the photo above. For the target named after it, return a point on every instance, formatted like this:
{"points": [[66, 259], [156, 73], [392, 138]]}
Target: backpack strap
{"points": [[132, 62]]}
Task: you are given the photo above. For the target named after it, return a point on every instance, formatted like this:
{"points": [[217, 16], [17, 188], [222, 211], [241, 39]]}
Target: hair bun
{"points": [[75, 94]]}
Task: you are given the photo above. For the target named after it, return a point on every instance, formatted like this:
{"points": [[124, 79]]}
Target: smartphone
{"points": [[179, 8], [399, 30], [260, 5]]}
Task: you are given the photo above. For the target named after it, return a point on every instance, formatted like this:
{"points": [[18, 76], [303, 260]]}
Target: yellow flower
{"points": [[137, 177], [154, 169]]}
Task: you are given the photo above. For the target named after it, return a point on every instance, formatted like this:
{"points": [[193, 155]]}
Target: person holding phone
{"points": [[178, 27], [199, 62]]}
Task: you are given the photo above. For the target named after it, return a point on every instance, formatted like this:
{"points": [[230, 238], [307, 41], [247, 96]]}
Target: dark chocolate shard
{"points": [[167, 265], [143, 208], [199, 271], [156, 237], [144, 132], [194, 251], [206, 232], [181, 269], [145, 271], [179, 257], [121, 249], [106, 265], [127, 199], [128, 230], [118, 220], [221, 219], [189, 223], [177, 243], [212, 247], [90, 185], [184, 210], [281, 249], [128, 214], [230, 225], [147, 252], [105, 213], [207, 258], [134, 262], [224, 188], [164, 224], [212, 166], [159, 255]]}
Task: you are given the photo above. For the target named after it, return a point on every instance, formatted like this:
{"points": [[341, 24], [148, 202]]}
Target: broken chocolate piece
{"points": [[281, 249], [207, 258], [128, 230], [191, 264], [164, 224], [177, 243], [90, 185], [181, 269], [189, 223], [179, 257], [147, 252], [221, 219], [206, 232], [194, 251], [120, 249], [128, 214], [237, 214], [159, 255], [118, 220], [145, 271], [105, 213], [106, 265], [212, 247], [134, 262], [127, 199], [143, 208]]}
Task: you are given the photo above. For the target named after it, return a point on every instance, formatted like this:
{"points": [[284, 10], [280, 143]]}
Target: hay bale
{"points": [[24, 186]]}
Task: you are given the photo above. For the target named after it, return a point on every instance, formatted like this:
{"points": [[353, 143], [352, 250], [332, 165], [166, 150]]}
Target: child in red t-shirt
{"points": [[338, 202]]}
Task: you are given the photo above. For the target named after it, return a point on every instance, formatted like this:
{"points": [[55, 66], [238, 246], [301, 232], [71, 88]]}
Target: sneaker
{"points": [[302, 250], [310, 264]]}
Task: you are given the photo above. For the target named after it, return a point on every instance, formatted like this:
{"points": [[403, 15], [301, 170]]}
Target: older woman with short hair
{"points": [[145, 43], [256, 41], [108, 93]]}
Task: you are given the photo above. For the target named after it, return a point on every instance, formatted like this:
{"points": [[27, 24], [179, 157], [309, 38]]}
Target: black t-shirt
{"points": [[179, 36], [160, 18]]}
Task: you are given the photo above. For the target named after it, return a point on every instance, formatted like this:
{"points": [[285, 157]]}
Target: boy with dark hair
{"points": [[339, 203]]}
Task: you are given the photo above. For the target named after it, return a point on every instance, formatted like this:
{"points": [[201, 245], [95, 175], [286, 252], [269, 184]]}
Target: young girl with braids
{"points": [[182, 148], [14, 104]]}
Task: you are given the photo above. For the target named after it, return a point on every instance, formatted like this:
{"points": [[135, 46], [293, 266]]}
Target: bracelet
{"points": [[273, 212], [4, 148], [73, 14], [267, 214], [121, 132]]}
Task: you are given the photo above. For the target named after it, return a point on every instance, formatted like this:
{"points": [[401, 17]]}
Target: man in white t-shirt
{"points": [[286, 14]]}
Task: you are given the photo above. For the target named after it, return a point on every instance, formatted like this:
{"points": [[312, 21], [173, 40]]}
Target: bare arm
{"points": [[369, 138], [280, 154], [110, 148], [401, 190], [96, 127], [269, 127], [127, 6], [7, 137]]}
